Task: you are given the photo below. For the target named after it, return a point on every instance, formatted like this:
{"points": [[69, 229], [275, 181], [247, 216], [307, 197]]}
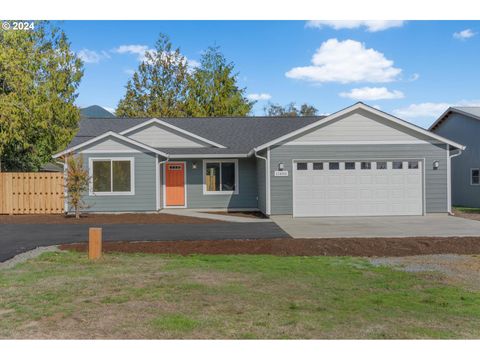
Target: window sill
{"points": [[220, 193]]}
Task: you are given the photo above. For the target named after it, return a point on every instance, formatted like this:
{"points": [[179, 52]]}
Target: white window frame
{"points": [[109, 193], [220, 192], [471, 176]]}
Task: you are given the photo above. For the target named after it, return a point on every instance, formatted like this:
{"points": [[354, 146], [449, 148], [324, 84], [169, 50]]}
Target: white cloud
{"points": [[464, 34], [370, 25], [259, 97], [346, 62], [91, 56], [138, 50], [430, 109], [193, 63], [372, 93]]}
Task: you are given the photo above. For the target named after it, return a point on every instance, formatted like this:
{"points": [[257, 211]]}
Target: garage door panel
{"points": [[358, 192]]}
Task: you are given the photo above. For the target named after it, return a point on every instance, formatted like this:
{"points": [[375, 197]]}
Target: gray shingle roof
{"points": [[474, 110], [237, 134]]}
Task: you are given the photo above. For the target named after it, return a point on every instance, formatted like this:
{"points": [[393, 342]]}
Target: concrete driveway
{"points": [[386, 226]]}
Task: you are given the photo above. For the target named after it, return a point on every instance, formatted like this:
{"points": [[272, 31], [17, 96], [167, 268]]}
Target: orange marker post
{"points": [[94, 243]]}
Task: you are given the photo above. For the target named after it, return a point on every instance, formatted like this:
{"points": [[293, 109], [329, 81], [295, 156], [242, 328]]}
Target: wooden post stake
{"points": [[94, 243]]}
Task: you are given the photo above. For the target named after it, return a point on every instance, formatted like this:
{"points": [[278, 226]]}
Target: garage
{"points": [[358, 188]]}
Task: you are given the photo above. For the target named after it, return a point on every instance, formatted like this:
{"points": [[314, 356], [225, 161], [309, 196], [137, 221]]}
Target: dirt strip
{"points": [[126, 218], [301, 247]]}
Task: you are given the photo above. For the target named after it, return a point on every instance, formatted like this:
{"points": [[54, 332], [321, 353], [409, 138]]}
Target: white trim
{"points": [[110, 151], [111, 193], [268, 197], [165, 206], [107, 134], [220, 192], [449, 184], [157, 183], [208, 156], [173, 127], [379, 142], [471, 176], [405, 159], [65, 195], [353, 108]]}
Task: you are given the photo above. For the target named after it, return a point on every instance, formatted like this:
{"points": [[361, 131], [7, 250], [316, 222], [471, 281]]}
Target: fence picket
{"points": [[31, 193]]}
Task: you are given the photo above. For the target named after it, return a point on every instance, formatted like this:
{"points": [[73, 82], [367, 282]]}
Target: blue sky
{"points": [[412, 69]]}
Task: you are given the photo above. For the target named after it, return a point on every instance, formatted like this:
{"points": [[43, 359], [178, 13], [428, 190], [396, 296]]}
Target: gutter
{"points": [[450, 157], [159, 167], [267, 180]]}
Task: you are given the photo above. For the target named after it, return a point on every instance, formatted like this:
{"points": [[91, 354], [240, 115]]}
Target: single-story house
{"points": [[462, 124], [358, 161]]}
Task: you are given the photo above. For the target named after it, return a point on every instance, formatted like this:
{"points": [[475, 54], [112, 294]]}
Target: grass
{"points": [[63, 295], [467, 210]]}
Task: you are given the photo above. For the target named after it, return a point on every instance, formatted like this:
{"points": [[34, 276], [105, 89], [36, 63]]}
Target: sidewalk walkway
{"points": [[206, 215]]}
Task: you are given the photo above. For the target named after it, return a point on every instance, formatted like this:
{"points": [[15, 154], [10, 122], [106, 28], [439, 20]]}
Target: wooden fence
{"points": [[31, 193]]}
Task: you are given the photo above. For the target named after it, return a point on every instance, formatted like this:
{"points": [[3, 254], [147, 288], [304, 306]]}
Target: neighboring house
{"points": [[462, 124], [95, 111], [356, 162]]}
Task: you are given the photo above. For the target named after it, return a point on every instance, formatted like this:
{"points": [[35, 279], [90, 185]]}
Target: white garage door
{"points": [[357, 188]]}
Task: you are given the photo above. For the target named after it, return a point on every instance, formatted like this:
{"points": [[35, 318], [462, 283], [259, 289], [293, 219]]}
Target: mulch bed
{"points": [[131, 218], [301, 247]]}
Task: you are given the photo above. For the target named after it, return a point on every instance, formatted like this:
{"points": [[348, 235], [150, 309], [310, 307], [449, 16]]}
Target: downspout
{"points": [[161, 177], [267, 181], [449, 164]]}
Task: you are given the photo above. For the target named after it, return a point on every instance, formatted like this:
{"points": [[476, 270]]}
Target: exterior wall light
{"points": [[281, 167], [436, 165], [194, 165]]}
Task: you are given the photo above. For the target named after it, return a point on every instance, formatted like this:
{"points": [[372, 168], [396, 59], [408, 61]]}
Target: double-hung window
{"points": [[220, 177], [111, 176]]}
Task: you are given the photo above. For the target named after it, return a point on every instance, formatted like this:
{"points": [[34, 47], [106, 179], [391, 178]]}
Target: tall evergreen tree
{"points": [[213, 88], [39, 78], [159, 86]]}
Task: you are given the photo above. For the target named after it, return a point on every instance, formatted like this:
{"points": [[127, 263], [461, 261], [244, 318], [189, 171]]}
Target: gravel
{"points": [[26, 256]]}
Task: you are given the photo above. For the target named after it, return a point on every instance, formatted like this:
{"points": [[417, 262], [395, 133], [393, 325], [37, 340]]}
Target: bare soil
{"points": [[301, 247], [467, 215], [130, 218], [247, 214]]}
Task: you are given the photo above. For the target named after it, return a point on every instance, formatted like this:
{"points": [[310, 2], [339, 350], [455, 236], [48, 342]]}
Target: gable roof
{"points": [[352, 108], [238, 135], [107, 134], [170, 126], [470, 111]]}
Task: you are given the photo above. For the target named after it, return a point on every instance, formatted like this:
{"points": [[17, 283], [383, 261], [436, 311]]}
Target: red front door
{"points": [[175, 184]]}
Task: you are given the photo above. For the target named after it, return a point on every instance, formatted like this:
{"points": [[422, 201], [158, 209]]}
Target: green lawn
{"points": [[63, 295]]}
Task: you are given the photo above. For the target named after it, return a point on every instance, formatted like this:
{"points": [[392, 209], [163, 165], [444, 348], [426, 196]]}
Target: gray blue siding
{"points": [[436, 180], [466, 131], [246, 198], [144, 198]]}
